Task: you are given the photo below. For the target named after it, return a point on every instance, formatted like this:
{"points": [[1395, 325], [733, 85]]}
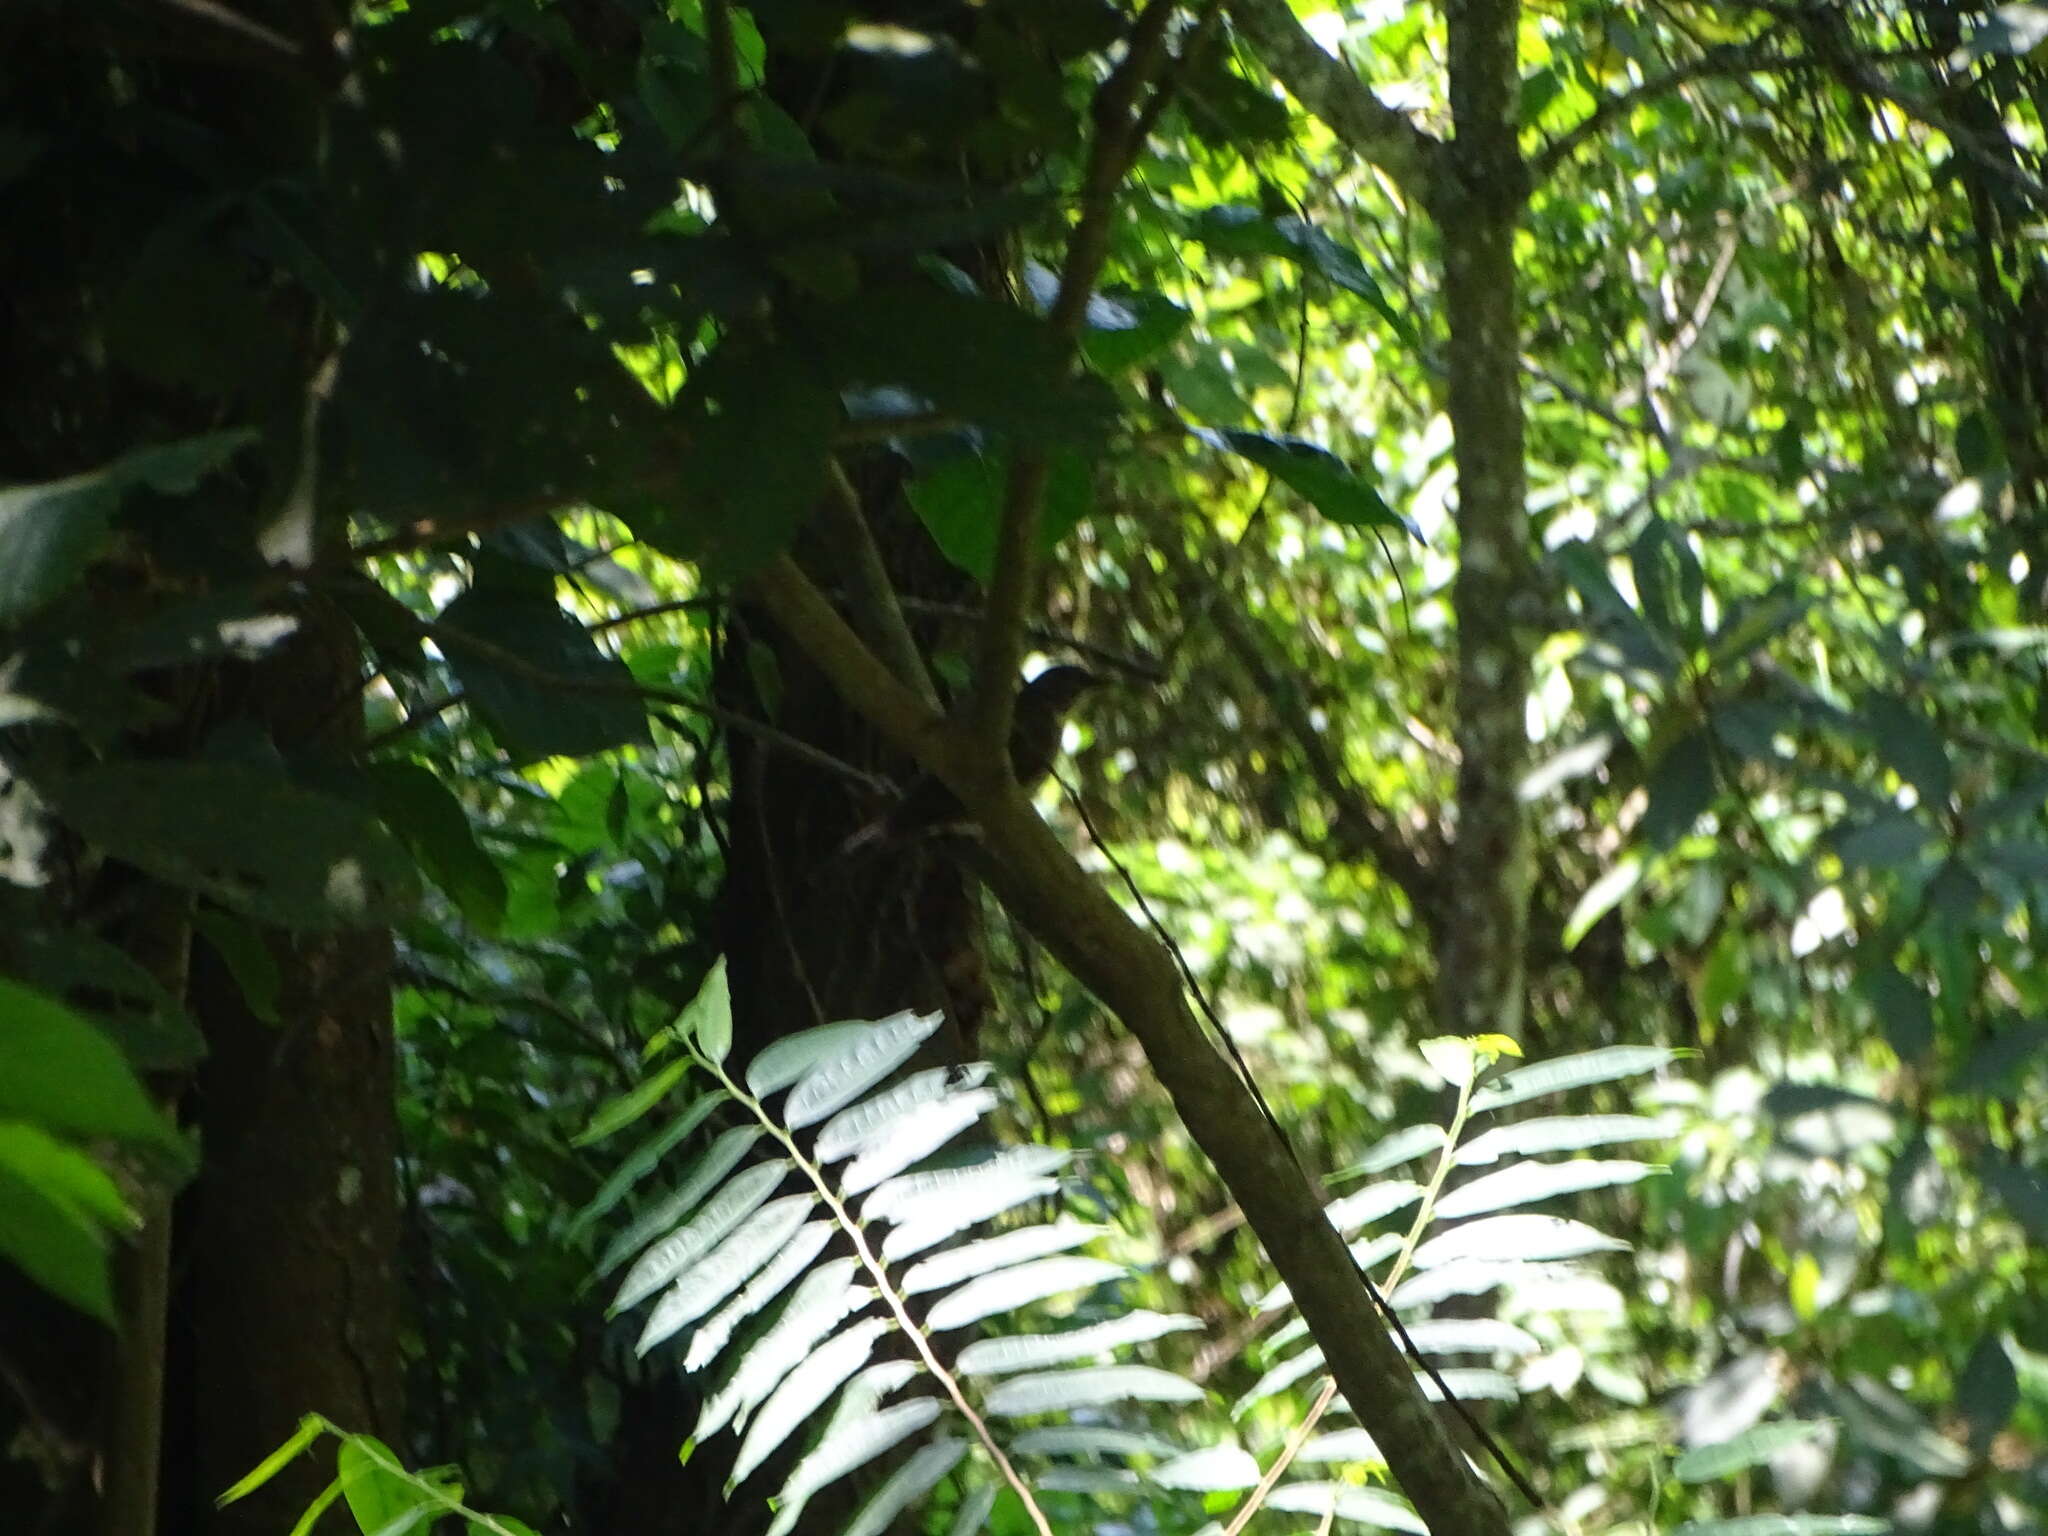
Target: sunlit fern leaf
{"points": [[1346, 1501], [1467, 1385], [859, 1125], [914, 1138], [919, 1196], [836, 1081], [990, 1254], [1353, 1447], [740, 1199], [827, 1294], [699, 1179], [1372, 1203], [1084, 1479], [972, 1514], [1007, 1290], [1555, 1133], [1470, 1336], [1531, 1239], [1788, 1525], [1213, 1469], [765, 1287], [1404, 1145], [1607, 1065], [1527, 1183], [1467, 1277], [743, 1253], [847, 1448], [1034, 1351], [1091, 1440], [805, 1389], [782, 1062], [905, 1486], [1092, 1387], [1277, 1378]]}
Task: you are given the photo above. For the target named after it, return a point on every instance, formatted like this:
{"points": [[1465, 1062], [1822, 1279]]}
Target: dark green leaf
{"points": [[248, 959], [2024, 1193], [424, 815], [1910, 744], [1889, 840], [1668, 582], [537, 677], [1240, 231], [1902, 1010], [1681, 787], [58, 1071], [2017, 29], [1609, 616], [131, 1006], [1316, 474], [48, 532], [2000, 1063], [1988, 1390], [631, 1105], [959, 501], [1126, 329], [244, 835]]}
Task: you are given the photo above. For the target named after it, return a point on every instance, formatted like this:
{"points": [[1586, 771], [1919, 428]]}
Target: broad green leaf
{"points": [[1903, 1011], [63, 1174], [735, 1203], [246, 836], [803, 1390], [1317, 475], [49, 532], [309, 1430], [830, 1085], [243, 949], [905, 1486], [1556, 1133], [1032, 1351], [1751, 1448], [1090, 1387], [377, 1494], [993, 1253], [54, 1246], [855, 1127], [1562, 1073], [712, 1165], [1240, 231], [1129, 328], [1531, 1239], [1346, 1501], [536, 677], [425, 816], [631, 1105], [1526, 1183], [1021, 1284], [58, 1071], [1681, 790], [1910, 743], [959, 500]]}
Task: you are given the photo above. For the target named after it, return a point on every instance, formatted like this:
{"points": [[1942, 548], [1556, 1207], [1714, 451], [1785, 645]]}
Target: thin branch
{"points": [[1332, 90], [1014, 576], [869, 590]]}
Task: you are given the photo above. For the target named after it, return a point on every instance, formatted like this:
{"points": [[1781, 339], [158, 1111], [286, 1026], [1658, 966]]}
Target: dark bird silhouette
{"points": [[1036, 727]]}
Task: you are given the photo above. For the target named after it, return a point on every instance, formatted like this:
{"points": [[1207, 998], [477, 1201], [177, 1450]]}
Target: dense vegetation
{"points": [[499, 498]]}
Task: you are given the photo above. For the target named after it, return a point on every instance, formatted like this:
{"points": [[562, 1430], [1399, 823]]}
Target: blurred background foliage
{"points": [[1785, 370]]}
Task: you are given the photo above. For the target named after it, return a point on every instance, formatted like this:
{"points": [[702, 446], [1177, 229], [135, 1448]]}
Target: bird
{"points": [[1037, 725]]}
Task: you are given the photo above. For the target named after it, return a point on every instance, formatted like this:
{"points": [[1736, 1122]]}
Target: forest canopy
{"points": [[1034, 765]]}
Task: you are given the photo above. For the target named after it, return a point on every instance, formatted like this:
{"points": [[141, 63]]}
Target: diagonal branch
{"points": [[1329, 88]]}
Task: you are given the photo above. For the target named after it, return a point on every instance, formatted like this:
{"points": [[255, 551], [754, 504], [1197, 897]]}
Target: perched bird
{"points": [[1036, 726]]}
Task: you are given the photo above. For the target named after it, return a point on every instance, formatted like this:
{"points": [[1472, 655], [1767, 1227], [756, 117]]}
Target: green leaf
{"points": [[1902, 1009], [377, 1494], [58, 1071], [308, 1431], [247, 957], [1751, 1448], [959, 500], [49, 532], [1681, 788], [246, 836], [49, 1242], [63, 1174], [537, 677], [1788, 1525], [1316, 474], [630, 1106], [1987, 1390], [424, 815], [1911, 745], [1238, 231], [1602, 897], [1126, 328], [708, 1019]]}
